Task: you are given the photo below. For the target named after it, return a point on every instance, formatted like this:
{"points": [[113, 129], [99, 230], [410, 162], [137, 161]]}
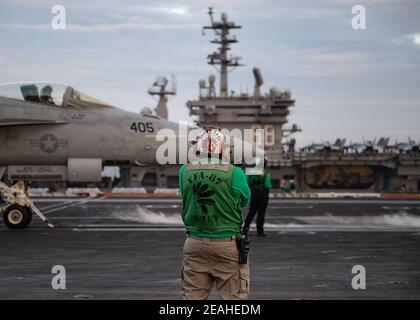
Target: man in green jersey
{"points": [[260, 186], [213, 193]]}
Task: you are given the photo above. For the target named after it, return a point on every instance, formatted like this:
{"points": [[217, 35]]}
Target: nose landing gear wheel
{"points": [[17, 217]]}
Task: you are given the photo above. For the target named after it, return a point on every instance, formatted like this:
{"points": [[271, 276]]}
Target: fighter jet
{"points": [[355, 147], [338, 145], [313, 147], [369, 146], [326, 146], [373, 147], [407, 147], [56, 132]]}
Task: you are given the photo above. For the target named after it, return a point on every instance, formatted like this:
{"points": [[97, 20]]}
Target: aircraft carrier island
{"points": [[343, 219], [369, 166]]}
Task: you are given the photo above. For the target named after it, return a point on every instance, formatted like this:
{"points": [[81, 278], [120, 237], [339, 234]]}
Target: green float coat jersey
{"points": [[259, 182], [213, 195]]}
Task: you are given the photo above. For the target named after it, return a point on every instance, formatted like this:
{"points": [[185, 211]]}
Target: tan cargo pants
{"points": [[206, 262]]}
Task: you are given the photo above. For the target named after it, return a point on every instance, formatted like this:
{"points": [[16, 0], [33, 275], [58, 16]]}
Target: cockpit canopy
{"points": [[51, 94]]}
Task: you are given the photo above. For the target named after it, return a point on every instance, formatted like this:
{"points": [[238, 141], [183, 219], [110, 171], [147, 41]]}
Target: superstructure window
{"points": [[270, 135]]}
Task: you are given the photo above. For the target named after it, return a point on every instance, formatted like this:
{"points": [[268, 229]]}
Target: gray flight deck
{"points": [[116, 248]]}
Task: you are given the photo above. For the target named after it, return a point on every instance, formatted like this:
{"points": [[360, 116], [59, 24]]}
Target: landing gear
{"points": [[18, 208], [17, 217]]}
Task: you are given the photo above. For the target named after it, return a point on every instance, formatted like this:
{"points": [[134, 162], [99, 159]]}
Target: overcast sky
{"points": [[346, 83]]}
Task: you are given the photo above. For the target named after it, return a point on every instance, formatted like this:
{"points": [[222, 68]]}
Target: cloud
{"points": [[112, 27], [309, 13], [407, 40], [414, 38], [114, 51], [178, 11], [167, 6], [318, 63], [132, 25], [369, 2], [23, 26]]}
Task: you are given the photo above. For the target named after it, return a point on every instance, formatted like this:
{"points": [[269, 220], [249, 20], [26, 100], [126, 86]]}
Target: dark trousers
{"points": [[259, 201]]}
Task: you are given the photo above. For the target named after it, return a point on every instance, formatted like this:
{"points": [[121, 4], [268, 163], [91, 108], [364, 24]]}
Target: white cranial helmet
{"points": [[210, 141]]}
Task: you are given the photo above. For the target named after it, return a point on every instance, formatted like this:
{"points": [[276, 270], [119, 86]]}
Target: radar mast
{"points": [[160, 89], [220, 57]]}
